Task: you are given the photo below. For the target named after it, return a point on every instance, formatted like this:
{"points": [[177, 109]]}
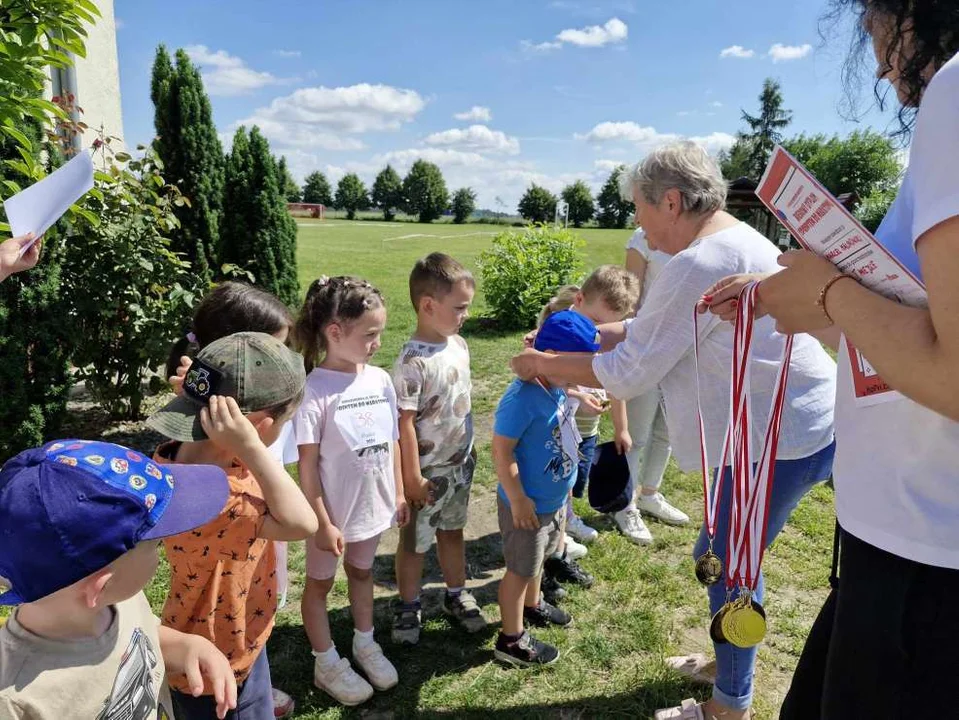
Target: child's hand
{"points": [[421, 494], [591, 405], [402, 511], [524, 513], [176, 381], [529, 338], [623, 441], [329, 539], [10, 260], [227, 426], [201, 659]]}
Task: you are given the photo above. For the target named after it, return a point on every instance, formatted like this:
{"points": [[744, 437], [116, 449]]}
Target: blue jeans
{"points": [[587, 448], [254, 698], [793, 479]]}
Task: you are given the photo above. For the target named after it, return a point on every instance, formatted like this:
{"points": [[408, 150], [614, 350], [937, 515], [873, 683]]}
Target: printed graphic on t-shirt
{"points": [[134, 694], [365, 420]]}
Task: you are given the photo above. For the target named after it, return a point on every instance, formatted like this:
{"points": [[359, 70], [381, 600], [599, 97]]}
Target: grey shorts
{"points": [[450, 489], [525, 551]]}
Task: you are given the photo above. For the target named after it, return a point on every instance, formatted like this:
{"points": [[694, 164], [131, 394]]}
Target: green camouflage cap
{"points": [[256, 369]]}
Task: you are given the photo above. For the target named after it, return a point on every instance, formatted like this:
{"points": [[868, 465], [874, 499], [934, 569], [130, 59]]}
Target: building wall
{"points": [[98, 79]]}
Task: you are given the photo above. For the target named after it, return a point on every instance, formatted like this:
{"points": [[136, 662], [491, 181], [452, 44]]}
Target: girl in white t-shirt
{"points": [[347, 434]]}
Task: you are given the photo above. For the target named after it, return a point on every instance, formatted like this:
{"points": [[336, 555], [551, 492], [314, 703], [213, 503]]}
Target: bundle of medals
{"points": [[742, 620]]}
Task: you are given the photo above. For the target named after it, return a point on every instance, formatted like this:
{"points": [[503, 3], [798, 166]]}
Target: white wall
{"points": [[98, 79]]}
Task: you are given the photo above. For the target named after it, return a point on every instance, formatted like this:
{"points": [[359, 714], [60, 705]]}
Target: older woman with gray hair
{"points": [[680, 195]]}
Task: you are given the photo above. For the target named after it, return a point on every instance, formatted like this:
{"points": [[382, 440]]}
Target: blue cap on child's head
{"points": [[72, 507], [567, 331]]}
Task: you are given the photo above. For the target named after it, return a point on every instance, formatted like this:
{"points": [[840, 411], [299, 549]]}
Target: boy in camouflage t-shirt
{"points": [[432, 380]]}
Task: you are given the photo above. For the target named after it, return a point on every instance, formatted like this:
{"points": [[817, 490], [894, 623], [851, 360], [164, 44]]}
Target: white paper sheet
{"points": [[38, 207]]}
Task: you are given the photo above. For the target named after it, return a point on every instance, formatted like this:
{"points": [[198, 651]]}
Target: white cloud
{"points": [[716, 104], [646, 138], [784, 53], [477, 113], [288, 53], [625, 132], [736, 51], [319, 117], [225, 74], [612, 32], [475, 137], [608, 166]]}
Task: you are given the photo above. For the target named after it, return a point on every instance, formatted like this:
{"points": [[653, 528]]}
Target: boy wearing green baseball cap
{"points": [[239, 392]]}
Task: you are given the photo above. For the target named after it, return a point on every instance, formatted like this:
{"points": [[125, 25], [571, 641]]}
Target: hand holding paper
{"points": [[37, 208], [18, 254]]}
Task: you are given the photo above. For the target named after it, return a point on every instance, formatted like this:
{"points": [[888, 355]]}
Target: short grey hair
{"points": [[685, 166]]}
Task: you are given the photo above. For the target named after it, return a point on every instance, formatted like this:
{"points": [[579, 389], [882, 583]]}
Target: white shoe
{"points": [[630, 522], [341, 682], [378, 669], [575, 550], [580, 530], [657, 506]]}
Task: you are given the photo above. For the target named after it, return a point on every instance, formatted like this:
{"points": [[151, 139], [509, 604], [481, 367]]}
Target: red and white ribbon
{"points": [[752, 482]]}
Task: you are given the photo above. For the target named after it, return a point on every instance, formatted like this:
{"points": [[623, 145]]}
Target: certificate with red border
{"points": [[822, 225]]}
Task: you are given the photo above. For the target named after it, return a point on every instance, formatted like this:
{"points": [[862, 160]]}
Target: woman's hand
{"points": [[792, 296], [526, 364], [722, 299]]}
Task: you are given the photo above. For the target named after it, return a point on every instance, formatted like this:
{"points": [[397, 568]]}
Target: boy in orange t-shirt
{"points": [[223, 575]]}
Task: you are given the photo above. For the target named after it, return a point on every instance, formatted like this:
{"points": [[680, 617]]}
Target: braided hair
{"points": [[341, 299]]}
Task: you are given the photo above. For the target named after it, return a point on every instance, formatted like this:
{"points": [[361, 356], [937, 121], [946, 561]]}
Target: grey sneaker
{"points": [[406, 623], [465, 610]]}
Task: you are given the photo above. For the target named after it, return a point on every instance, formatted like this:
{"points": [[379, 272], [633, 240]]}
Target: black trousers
{"points": [[884, 645]]}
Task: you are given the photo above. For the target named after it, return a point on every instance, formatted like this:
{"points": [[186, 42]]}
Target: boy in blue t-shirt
{"points": [[535, 451]]}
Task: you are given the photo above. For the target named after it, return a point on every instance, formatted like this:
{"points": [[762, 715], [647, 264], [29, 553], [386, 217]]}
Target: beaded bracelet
{"points": [[821, 301]]}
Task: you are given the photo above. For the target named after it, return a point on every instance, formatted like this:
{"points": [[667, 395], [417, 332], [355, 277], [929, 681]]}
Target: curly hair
{"points": [[934, 29], [340, 299]]}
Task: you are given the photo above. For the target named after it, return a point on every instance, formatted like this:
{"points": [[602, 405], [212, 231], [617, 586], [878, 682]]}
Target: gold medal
{"points": [[709, 568], [716, 626], [745, 625]]}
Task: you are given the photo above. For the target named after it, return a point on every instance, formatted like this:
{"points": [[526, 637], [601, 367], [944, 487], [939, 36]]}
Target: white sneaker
{"points": [[575, 550], [341, 682], [378, 669], [630, 522], [657, 506], [580, 530]]}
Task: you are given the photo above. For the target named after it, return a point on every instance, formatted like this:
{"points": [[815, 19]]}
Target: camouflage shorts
{"points": [[450, 489]]}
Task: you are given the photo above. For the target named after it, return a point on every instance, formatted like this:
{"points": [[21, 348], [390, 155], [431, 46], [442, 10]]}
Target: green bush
{"points": [[873, 208], [522, 270], [128, 292]]}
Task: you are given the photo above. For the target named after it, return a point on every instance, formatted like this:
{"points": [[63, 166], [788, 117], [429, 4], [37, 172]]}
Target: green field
{"points": [[645, 604]]}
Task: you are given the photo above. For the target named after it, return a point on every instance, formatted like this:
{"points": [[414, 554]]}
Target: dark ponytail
{"points": [[337, 299], [231, 307]]}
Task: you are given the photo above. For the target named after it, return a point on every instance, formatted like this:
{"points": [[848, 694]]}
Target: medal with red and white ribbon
{"points": [[742, 621]]}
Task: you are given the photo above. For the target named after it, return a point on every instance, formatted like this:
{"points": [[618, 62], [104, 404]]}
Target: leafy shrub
{"points": [[873, 208], [128, 292], [522, 270]]}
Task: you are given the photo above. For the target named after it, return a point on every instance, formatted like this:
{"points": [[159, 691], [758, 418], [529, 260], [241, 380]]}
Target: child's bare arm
{"points": [[415, 487], [202, 663], [290, 515], [621, 436], [328, 537], [402, 507], [507, 472]]}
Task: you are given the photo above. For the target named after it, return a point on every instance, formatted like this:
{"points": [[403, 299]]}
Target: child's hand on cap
{"points": [[228, 427], [176, 381]]}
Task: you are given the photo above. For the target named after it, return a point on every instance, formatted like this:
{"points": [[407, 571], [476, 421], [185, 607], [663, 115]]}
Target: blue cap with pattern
{"points": [[72, 507]]}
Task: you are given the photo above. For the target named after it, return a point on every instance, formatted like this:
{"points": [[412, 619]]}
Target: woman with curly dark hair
{"points": [[884, 644]]}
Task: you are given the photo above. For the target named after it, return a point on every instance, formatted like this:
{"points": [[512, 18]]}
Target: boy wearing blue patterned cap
{"points": [[80, 525], [535, 453]]}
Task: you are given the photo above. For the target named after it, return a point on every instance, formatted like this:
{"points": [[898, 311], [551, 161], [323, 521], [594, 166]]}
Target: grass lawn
{"points": [[645, 605]]}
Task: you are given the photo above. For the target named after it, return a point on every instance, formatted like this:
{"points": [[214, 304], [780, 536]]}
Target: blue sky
{"points": [[498, 93]]}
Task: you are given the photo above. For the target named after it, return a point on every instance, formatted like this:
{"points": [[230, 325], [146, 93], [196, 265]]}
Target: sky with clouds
{"points": [[500, 93]]}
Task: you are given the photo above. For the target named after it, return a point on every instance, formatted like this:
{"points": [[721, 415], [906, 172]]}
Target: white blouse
{"points": [[658, 350]]}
